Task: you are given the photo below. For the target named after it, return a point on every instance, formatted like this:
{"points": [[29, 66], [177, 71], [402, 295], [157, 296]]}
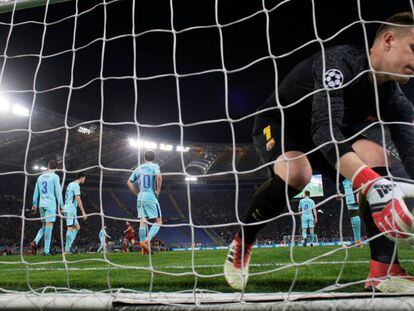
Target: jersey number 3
{"points": [[44, 187]]}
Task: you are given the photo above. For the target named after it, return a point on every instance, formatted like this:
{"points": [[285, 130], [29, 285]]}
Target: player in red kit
{"points": [[129, 236]]}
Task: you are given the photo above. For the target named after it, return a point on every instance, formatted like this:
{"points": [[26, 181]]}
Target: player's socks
{"points": [[48, 239], [356, 227], [69, 235], [382, 248], [39, 235], [142, 234], [304, 235], [268, 201], [312, 237], [152, 232], [74, 233]]}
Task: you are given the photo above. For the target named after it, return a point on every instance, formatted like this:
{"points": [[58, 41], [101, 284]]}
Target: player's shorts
{"points": [[49, 213], [71, 219], [149, 210], [307, 223], [267, 140], [352, 207], [130, 236]]}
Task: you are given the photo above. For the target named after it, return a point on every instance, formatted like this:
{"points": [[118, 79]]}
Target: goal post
{"points": [[9, 5]]}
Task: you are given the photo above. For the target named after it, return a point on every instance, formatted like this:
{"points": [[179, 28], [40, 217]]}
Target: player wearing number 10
{"points": [[149, 180], [309, 217], [46, 194]]}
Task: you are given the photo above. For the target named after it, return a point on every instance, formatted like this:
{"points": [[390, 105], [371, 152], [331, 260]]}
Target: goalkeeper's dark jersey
{"points": [[352, 103]]}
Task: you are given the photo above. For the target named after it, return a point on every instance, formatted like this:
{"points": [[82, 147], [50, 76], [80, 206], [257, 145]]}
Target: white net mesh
{"points": [[94, 84]]}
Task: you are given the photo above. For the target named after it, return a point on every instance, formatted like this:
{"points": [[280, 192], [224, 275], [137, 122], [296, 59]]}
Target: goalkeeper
{"points": [[328, 100]]}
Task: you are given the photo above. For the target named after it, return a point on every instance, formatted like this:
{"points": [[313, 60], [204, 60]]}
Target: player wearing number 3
{"points": [[47, 194], [149, 180]]}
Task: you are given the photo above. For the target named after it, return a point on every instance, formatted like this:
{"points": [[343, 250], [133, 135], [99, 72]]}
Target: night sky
{"points": [[251, 77]]}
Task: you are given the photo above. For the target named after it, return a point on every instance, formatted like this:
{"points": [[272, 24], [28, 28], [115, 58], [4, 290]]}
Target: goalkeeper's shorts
{"points": [[149, 210], [48, 214]]}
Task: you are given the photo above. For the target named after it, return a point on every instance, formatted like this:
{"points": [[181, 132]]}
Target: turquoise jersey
{"points": [[48, 191], [350, 196], [145, 174], [72, 191], [103, 234], [306, 205]]}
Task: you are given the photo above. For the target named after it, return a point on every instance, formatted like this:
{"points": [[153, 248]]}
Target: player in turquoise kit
{"points": [[103, 236], [351, 199], [309, 217], [47, 197], [149, 180], [72, 202]]}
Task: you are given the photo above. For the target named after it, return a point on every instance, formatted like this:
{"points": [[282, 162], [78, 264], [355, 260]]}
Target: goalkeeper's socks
{"points": [[48, 239], [382, 248], [74, 233], [142, 234], [39, 235], [68, 240], [268, 201], [312, 237], [153, 231], [356, 227], [363, 178]]}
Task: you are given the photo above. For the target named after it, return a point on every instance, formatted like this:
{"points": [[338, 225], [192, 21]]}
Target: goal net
{"points": [[94, 84]]}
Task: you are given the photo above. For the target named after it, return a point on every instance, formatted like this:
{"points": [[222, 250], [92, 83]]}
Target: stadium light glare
{"points": [[20, 110], [84, 130], [182, 148], [36, 167], [4, 104], [191, 178], [146, 144], [166, 147], [43, 168]]}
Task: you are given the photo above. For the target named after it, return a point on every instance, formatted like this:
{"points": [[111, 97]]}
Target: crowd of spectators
{"points": [[209, 206]]}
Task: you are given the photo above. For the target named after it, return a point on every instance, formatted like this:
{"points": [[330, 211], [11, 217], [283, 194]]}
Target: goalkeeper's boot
{"points": [[236, 267], [144, 247], [386, 279], [33, 248], [359, 244]]}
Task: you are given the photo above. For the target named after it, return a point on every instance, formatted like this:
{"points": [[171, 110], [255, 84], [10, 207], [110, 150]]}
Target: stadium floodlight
{"points": [[43, 168], [142, 144], [4, 104], [182, 148], [84, 130], [36, 167], [191, 178], [166, 147], [20, 110]]}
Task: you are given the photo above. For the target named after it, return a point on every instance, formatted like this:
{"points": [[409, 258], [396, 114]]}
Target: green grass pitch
{"points": [[132, 270]]}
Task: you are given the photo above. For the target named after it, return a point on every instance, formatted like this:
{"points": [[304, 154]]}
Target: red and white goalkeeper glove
{"points": [[386, 199]]}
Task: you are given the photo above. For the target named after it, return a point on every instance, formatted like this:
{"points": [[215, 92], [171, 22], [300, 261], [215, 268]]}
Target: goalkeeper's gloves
{"points": [[386, 199]]}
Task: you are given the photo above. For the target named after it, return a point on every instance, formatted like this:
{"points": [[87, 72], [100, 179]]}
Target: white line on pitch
{"points": [[279, 264]]}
